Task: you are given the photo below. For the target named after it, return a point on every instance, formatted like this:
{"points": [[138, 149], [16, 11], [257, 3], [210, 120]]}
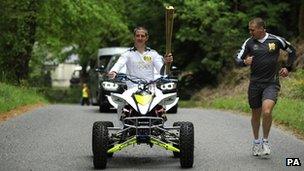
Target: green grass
{"points": [[290, 112], [12, 97]]}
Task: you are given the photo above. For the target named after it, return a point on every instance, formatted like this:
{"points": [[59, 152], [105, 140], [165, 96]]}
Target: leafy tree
{"points": [[56, 24], [206, 33], [18, 29], [84, 25]]}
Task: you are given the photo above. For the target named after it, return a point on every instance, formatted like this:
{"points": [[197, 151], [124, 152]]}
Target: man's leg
{"points": [[255, 122], [270, 94], [255, 103], [267, 107], [87, 101]]}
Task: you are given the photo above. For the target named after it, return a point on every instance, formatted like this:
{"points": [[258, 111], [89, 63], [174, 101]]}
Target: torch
{"points": [[169, 29]]}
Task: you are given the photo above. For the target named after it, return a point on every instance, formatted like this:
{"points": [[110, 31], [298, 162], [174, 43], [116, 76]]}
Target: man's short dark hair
{"points": [[141, 28], [259, 22]]}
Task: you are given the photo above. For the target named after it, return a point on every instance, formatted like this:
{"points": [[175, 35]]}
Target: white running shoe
{"points": [[256, 149], [265, 148]]}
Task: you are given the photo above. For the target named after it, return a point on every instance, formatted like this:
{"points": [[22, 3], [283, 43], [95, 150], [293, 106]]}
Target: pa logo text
{"points": [[293, 162]]}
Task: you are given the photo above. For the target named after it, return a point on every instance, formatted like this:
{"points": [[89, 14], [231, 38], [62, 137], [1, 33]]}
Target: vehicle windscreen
{"points": [[104, 60], [111, 62]]}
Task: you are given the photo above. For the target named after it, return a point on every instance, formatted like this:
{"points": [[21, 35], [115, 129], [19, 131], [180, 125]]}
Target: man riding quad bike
{"points": [[141, 110]]}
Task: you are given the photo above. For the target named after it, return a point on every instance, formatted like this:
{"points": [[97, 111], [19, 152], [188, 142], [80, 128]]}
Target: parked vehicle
{"points": [[141, 110], [98, 81], [75, 78]]}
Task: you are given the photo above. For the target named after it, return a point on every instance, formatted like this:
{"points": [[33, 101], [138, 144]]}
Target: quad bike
{"points": [[141, 110]]}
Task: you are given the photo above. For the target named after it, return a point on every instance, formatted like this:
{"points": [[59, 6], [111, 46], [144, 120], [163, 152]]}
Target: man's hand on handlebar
{"points": [[112, 74]]}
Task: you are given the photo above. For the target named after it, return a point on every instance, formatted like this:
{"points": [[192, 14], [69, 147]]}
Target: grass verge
{"points": [[12, 97]]}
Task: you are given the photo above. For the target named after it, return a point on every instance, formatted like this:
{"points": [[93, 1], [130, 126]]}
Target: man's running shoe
{"points": [[256, 149], [265, 148]]}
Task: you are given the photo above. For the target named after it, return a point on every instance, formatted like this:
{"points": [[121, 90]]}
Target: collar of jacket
{"points": [[134, 49]]}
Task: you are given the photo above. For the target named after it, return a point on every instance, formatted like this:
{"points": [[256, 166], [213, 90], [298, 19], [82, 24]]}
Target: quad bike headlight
{"points": [[168, 86], [110, 86]]}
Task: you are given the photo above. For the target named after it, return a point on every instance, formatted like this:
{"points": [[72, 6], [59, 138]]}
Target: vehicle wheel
{"points": [[176, 154], [186, 144], [107, 124], [100, 139], [173, 109], [104, 108]]}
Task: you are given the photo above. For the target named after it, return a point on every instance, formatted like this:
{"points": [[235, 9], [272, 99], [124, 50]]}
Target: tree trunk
{"points": [[22, 65], [301, 21]]}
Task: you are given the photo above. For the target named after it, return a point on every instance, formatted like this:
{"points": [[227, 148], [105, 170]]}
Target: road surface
{"points": [[58, 137]]}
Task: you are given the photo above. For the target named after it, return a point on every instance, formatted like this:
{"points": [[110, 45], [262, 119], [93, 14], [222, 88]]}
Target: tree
{"points": [[54, 25], [301, 21], [18, 29]]}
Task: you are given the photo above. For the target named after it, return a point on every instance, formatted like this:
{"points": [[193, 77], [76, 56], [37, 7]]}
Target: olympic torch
{"points": [[169, 29]]}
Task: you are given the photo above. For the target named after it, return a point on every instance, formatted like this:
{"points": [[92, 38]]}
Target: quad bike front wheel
{"points": [[186, 145], [100, 140]]}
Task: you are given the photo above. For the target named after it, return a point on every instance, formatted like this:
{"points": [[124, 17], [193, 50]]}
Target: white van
{"points": [[106, 58]]}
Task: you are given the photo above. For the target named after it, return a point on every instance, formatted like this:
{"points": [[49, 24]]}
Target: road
{"points": [[58, 137]]}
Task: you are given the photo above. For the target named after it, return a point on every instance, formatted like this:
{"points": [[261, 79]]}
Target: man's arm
{"points": [[285, 45], [242, 54], [118, 65], [159, 61], [291, 54]]}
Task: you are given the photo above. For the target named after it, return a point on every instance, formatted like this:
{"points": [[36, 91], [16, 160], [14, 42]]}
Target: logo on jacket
{"points": [[148, 59], [255, 47], [271, 46]]}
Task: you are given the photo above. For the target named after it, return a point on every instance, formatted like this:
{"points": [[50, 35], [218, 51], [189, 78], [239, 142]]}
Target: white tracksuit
{"points": [[140, 65]]}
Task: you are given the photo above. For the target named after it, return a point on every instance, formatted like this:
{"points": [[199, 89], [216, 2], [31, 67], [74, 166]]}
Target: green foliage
{"points": [[82, 24], [17, 27], [150, 14], [206, 33], [54, 25], [12, 97]]}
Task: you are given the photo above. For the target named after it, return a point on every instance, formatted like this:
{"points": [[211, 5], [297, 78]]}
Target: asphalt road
{"points": [[58, 137]]}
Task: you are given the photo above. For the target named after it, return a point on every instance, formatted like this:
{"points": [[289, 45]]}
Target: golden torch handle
{"points": [[169, 29]]}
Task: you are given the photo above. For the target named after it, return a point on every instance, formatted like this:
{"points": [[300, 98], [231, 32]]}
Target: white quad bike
{"points": [[141, 110]]}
